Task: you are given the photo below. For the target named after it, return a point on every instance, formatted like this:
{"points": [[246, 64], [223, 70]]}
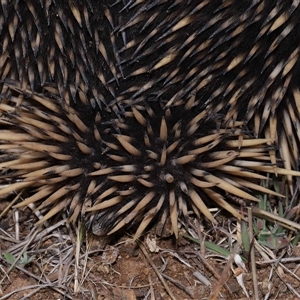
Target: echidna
{"points": [[148, 164], [238, 57], [127, 112]]}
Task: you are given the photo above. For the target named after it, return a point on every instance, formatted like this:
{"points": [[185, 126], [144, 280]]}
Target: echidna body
{"points": [[239, 57], [182, 80], [120, 172]]}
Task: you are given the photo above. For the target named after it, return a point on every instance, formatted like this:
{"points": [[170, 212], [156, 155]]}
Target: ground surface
{"points": [[155, 268]]}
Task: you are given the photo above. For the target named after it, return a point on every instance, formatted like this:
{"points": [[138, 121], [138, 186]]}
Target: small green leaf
{"points": [[245, 236], [9, 257], [215, 248]]}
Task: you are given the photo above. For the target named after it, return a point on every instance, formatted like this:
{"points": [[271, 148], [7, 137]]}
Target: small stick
{"points": [[252, 255], [156, 271]]}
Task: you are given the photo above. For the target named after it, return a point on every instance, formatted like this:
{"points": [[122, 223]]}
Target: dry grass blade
{"points": [[179, 285], [21, 253], [275, 218], [159, 275], [11, 204], [37, 288], [77, 254], [202, 278], [45, 283], [225, 275], [252, 256], [282, 260], [41, 235], [151, 288]]}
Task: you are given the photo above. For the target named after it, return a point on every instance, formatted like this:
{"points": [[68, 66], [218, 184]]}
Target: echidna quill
{"points": [[126, 172], [126, 134]]}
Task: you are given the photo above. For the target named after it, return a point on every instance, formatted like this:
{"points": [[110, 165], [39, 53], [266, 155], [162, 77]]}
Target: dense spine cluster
{"points": [[240, 58], [68, 45], [128, 112], [119, 172]]}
